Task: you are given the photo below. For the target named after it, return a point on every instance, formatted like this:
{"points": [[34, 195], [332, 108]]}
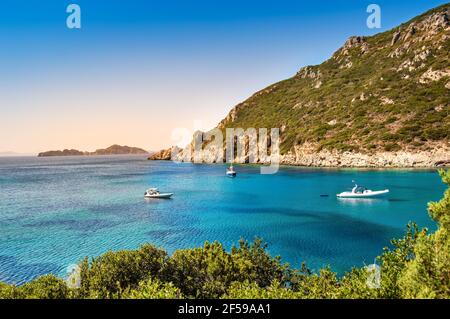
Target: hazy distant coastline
{"points": [[112, 150], [14, 154]]}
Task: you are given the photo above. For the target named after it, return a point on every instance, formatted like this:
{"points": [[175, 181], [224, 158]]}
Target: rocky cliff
{"points": [[165, 155]]}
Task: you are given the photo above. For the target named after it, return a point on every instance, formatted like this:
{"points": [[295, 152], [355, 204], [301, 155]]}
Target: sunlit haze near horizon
{"points": [[136, 71]]}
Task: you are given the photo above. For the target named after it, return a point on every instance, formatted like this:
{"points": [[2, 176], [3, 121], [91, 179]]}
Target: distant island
{"points": [[112, 150]]}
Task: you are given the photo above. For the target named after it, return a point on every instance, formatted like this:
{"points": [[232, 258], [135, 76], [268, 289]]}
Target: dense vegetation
{"points": [[372, 95], [417, 266]]}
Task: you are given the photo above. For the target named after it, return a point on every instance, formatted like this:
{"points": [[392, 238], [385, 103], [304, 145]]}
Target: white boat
{"points": [[154, 193], [231, 172], [362, 192]]}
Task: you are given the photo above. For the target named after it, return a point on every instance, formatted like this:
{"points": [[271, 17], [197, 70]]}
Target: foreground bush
{"points": [[7, 291], [109, 275], [251, 290], [154, 289], [427, 275], [209, 271], [417, 266], [45, 287]]}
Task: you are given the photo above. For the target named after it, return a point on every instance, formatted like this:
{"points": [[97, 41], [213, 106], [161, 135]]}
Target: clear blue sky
{"points": [[138, 69]]}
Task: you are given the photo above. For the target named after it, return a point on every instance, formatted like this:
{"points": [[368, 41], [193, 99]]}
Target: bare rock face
{"points": [[386, 101], [444, 163], [395, 37], [429, 26], [430, 75], [164, 155], [308, 72], [343, 54], [231, 117], [307, 155], [354, 41], [426, 29], [437, 21]]}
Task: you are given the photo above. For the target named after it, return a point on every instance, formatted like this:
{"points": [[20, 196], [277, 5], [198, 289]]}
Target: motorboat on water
{"points": [[154, 193], [362, 192], [231, 172]]}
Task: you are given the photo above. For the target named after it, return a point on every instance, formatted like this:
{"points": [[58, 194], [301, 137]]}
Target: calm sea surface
{"points": [[55, 211]]}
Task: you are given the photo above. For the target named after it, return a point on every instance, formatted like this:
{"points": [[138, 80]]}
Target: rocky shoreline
{"points": [[400, 159], [306, 155]]}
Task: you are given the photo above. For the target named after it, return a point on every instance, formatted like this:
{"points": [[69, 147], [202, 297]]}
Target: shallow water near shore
{"points": [[55, 211]]}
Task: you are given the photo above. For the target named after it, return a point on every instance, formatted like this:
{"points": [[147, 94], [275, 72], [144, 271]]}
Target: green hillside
{"points": [[381, 93]]}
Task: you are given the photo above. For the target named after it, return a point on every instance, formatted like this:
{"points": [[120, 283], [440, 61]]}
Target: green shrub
{"points": [[251, 290], [7, 291], [257, 265], [113, 272], [208, 272], [323, 285], [392, 147], [427, 275], [202, 272], [353, 285], [154, 289], [394, 261], [45, 287]]}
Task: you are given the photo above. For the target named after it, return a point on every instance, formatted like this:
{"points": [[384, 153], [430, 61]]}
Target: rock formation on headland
{"points": [[112, 150], [164, 155], [379, 101]]}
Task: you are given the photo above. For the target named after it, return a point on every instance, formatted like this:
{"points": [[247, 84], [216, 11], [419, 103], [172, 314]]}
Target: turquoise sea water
{"points": [[55, 211]]}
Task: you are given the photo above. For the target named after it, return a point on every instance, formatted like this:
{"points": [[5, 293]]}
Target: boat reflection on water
{"points": [[362, 201]]}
